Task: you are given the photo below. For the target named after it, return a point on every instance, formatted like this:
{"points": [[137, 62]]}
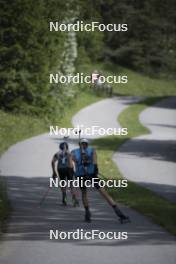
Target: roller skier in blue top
{"points": [[85, 162]]}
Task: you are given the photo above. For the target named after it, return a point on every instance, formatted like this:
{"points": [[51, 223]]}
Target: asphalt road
{"points": [[26, 167], [153, 156]]}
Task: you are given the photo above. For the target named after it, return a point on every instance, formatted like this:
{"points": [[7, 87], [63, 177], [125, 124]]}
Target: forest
{"points": [[29, 51]]}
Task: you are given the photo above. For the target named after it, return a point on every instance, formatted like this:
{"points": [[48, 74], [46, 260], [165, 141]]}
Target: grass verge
{"points": [[160, 210], [137, 85]]}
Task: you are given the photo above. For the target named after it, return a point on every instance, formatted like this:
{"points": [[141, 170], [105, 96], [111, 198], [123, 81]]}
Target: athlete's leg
{"points": [[72, 188], [74, 196], [84, 198], [123, 218], [62, 176], [86, 204], [83, 191], [102, 191], [107, 197]]}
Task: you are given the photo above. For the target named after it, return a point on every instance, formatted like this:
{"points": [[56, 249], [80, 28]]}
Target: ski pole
{"points": [[79, 134]]}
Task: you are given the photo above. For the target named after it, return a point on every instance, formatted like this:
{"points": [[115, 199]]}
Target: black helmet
{"points": [[63, 145]]}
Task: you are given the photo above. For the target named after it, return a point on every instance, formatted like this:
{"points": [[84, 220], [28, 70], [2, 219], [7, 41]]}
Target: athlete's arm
{"points": [[70, 159], [54, 159], [95, 163], [94, 157], [73, 160]]}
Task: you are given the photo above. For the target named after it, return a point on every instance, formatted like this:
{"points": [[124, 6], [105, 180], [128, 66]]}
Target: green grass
{"points": [[138, 84], [14, 128], [143, 85], [160, 210]]}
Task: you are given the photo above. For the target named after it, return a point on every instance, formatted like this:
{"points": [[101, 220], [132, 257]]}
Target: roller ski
{"points": [[123, 219]]}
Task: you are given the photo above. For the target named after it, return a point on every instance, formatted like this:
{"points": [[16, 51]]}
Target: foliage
{"points": [[149, 44], [29, 52]]}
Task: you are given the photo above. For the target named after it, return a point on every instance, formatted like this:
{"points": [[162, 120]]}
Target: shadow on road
{"points": [[168, 102], [31, 222], [155, 149], [164, 190]]}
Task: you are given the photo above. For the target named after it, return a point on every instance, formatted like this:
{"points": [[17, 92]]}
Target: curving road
{"points": [[26, 169], [150, 160]]}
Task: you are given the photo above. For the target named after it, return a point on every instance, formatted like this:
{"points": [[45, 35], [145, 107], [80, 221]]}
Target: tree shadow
{"points": [[163, 190], [31, 222], [168, 102], [148, 148], [161, 125]]}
